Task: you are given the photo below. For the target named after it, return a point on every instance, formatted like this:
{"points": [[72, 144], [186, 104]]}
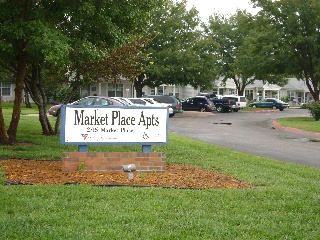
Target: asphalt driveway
{"points": [[251, 132]]}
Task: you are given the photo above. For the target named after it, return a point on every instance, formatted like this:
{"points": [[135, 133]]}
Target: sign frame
{"points": [[64, 121]]}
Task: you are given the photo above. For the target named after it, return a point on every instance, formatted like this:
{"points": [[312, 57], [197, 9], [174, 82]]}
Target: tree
{"points": [[68, 35], [233, 38], [298, 41], [178, 52], [128, 61]]}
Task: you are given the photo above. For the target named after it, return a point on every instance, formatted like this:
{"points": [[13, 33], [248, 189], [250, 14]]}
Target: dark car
{"points": [[87, 101], [270, 103], [168, 99], [198, 103]]}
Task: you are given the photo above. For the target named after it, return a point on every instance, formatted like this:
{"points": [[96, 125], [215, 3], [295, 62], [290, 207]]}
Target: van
{"points": [[241, 101]]}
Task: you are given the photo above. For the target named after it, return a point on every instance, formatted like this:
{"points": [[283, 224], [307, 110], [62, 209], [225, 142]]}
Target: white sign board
{"points": [[113, 125]]}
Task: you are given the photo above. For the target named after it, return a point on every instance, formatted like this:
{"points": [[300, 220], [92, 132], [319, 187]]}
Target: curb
{"points": [[193, 114], [277, 126]]}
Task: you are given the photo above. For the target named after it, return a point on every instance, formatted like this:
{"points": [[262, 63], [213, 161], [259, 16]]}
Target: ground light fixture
{"points": [[130, 168]]}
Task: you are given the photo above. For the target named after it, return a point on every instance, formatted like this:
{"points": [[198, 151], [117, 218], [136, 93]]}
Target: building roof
{"points": [[296, 84], [293, 84]]}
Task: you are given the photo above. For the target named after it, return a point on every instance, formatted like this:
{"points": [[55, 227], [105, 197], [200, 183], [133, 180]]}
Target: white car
{"points": [[127, 101], [152, 102], [143, 102]]}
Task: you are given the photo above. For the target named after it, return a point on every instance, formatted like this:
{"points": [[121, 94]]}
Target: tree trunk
{"points": [[35, 88], [57, 125], [139, 84], [242, 89], [314, 89], [44, 120], [27, 98], [312, 83], [21, 73], [4, 138]]}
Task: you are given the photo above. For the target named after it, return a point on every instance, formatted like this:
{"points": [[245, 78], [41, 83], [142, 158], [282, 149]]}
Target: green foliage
{"points": [[231, 38], [178, 52], [304, 106], [314, 109], [285, 99], [304, 123], [61, 93], [284, 204], [2, 176], [143, 176], [82, 167], [296, 23]]}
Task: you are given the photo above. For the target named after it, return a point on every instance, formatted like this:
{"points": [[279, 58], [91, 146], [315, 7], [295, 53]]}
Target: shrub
{"points": [[285, 99], [304, 105], [314, 109], [61, 93]]}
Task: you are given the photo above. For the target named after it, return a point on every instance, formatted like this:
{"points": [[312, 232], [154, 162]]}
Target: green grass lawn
{"points": [[305, 123], [284, 205]]}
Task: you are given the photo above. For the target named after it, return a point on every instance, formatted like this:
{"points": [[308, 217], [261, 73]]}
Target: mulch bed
{"points": [[40, 172]]}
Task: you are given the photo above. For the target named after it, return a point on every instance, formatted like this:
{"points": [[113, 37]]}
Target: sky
{"points": [[225, 7]]}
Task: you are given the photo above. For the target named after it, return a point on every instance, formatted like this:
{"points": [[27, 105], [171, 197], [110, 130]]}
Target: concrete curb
{"points": [[315, 135], [193, 114]]}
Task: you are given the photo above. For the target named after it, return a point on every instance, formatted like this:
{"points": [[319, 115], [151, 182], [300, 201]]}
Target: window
{"points": [[243, 99], [160, 90], [5, 89], [232, 91], [201, 100], [115, 90]]}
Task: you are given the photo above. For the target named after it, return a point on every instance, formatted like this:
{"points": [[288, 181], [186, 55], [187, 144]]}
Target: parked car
{"points": [[168, 99], [270, 103], [87, 101], [210, 96], [138, 101], [123, 101], [129, 101], [224, 105], [241, 101], [153, 102], [198, 103], [142, 102]]}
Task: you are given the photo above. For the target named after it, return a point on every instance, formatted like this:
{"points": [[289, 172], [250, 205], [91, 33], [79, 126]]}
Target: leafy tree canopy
{"points": [[71, 36], [295, 27], [239, 58], [178, 51]]}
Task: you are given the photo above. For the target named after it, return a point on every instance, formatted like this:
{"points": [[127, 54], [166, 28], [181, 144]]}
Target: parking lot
{"points": [[250, 132]]}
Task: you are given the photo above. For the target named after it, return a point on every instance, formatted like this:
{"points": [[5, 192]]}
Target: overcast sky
{"points": [[208, 7]]}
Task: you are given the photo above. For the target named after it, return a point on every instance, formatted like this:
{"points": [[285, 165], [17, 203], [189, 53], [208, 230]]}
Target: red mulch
{"points": [[177, 175]]}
